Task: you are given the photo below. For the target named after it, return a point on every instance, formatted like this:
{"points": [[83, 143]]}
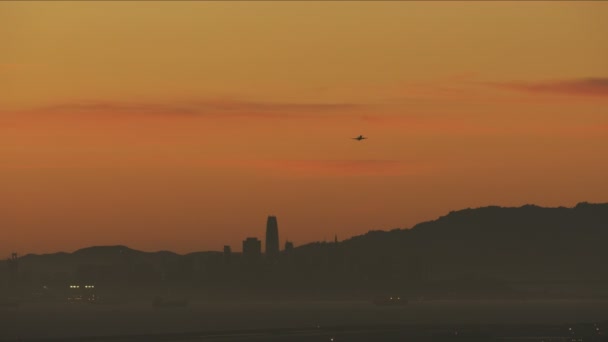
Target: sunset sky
{"points": [[182, 125]]}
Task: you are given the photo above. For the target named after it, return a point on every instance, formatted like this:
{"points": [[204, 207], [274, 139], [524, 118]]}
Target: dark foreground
{"points": [[575, 332], [310, 321]]}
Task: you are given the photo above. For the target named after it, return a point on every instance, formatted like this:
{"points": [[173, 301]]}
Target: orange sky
{"points": [[182, 125]]}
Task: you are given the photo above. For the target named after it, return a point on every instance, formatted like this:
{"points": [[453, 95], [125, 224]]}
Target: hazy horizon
{"points": [[181, 125], [238, 248]]}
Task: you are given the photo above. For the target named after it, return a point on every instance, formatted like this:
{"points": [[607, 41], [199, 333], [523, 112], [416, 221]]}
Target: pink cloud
{"points": [[339, 168], [232, 108], [579, 87]]}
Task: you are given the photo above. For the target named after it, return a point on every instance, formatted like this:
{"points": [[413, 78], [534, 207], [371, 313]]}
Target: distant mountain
{"points": [[107, 250], [483, 250], [529, 244]]}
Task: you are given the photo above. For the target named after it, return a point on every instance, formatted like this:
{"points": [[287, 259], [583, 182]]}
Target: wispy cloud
{"points": [[117, 108], [205, 108], [277, 106], [340, 168], [578, 87], [13, 66]]}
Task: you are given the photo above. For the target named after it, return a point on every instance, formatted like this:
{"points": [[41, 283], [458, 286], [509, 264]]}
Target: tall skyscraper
{"points": [[272, 238]]}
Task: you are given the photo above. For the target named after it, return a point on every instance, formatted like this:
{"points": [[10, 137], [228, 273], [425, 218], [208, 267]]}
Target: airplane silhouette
{"points": [[359, 138]]}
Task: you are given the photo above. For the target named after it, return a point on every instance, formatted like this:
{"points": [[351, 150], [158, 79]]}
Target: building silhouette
{"points": [[227, 254], [272, 238], [288, 246], [13, 267], [252, 249], [82, 294]]}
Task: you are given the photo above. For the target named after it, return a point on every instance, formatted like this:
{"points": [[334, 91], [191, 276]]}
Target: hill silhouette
{"points": [[487, 251], [524, 245]]}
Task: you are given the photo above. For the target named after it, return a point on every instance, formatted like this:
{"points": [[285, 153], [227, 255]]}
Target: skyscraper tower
{"points": [[272, 238]]}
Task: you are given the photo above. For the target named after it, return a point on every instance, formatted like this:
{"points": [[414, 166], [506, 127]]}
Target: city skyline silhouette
{"points": [[260, 171]]}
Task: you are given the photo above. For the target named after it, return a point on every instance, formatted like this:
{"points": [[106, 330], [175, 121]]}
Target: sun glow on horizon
{"points": [[180, 126]]}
